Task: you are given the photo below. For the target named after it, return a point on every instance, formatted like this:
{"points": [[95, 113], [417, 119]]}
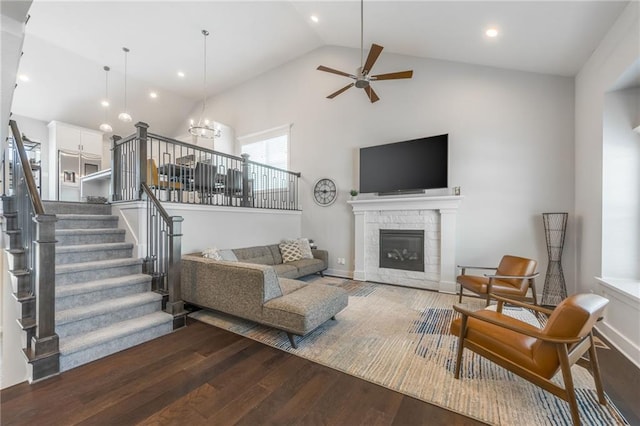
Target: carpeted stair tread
{"points": [[89, 231], [121, 329], [100, 308], [98, 264], [62, 207], [72, 216], [94, 247], [98, 285], [74, 236]]}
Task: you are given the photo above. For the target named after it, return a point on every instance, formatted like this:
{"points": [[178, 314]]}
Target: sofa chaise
{"points": [[255, 292]]}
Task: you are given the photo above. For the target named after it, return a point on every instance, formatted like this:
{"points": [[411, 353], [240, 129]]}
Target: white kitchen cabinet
{"points": [[74, 138], [73, 153]]}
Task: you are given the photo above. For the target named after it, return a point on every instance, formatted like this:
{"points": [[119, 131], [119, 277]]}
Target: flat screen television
{"points": [[407, 166]]}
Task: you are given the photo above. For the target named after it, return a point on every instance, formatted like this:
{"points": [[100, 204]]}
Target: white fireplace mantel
{"points": [[386, 208]]}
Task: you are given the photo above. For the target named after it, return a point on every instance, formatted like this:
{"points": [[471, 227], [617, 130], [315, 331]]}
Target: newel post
{"points": [[45, 354], [116, 169], [141, 135], [245, 181], [175, 305]]}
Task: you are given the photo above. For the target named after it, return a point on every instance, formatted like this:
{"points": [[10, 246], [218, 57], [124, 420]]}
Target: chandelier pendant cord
{"points": [[125, 77], [204, 79]]}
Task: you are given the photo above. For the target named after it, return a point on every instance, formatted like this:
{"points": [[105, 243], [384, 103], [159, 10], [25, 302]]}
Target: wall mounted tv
{"points": [[408, 166]]}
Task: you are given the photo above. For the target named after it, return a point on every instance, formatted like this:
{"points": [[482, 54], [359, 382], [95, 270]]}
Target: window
{"points": [[270, 147]]}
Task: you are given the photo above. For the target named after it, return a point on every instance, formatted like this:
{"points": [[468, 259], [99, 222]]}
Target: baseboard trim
{"points": [[620, 342]]}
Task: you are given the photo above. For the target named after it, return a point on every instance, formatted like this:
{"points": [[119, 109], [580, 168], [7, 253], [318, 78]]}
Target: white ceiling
{"points": [[68, 43]]}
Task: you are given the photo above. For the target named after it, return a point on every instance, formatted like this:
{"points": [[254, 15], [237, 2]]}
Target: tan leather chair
{"points": [[514, 276], [153, 180], [532, 353]]}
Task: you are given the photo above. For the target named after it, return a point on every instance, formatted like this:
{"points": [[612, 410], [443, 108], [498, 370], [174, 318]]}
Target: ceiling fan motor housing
{"points": [[362, 83]]}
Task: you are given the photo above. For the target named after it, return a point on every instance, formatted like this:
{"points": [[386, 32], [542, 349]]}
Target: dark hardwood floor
{"points": [[204, 375]]}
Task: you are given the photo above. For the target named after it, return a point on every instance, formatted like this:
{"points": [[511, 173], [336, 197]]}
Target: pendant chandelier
{"points": [[204, 128], [105, 126], [124, 116]]}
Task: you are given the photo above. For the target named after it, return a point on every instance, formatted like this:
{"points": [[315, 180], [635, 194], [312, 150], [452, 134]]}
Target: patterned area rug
{"points": [[398, 338]]}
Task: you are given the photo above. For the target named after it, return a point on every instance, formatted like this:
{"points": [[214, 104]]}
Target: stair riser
{"points": [[16, 261], [69, 361], [108, 318], [10, 223], [84, 299], [20, 283], [92, 275], [13, 240], [73, 240], [90, 256], [26, 308], [86, 223]]}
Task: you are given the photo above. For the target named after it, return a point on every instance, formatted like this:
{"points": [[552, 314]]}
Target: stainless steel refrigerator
{"points": [[73, 165]]}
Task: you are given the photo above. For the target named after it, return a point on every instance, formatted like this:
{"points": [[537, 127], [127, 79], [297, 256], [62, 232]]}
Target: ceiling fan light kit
{"points": [[362, 78]]}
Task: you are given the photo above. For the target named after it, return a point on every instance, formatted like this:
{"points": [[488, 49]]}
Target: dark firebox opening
{"points": [[402, 249]]}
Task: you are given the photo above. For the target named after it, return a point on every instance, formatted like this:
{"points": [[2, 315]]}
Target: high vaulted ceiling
{"points": [[68, 43]]}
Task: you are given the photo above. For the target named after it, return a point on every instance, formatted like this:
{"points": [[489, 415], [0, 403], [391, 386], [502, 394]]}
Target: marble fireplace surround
{"points": [[435, 215]]}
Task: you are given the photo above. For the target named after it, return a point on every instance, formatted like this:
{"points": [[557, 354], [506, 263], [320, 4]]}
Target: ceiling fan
{"points": [[362, 78]]}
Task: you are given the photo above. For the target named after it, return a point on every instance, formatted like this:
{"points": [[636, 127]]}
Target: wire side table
{"points": [[555, 288]]}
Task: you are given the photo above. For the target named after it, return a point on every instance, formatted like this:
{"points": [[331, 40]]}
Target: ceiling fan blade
{"points": [[372, 94], [331, 70], [393, 75], [334, 94], [375, 51]]}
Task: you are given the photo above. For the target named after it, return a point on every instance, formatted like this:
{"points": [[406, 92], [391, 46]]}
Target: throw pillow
{"points": [[212, 253], [305, 248], [290, 252]]}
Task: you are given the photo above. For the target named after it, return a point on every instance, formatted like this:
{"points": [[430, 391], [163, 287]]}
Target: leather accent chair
{"points": [[532, 353], [513, 278]]}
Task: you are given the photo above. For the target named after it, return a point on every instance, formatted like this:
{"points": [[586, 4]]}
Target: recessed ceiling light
{"points": [[491, 32], [314, 18], [23, 77], [180, 74], [104, 103], [153, 95]]}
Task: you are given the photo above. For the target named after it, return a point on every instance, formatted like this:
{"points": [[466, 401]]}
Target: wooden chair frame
{"points": [[569, 352]]}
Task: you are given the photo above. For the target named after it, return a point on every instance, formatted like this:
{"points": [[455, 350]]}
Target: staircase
{"points": [[104, 303]]}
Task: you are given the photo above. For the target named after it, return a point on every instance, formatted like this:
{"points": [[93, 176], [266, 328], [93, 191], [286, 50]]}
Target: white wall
{"points": [[511, 143], [621, 185], [617, 52], [210, 226]]}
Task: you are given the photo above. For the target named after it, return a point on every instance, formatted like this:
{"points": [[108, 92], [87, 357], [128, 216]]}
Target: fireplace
{"points": [[402, 249]]}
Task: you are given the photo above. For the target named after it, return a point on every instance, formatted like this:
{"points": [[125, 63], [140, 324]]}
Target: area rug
{"points": [[398, 338]]}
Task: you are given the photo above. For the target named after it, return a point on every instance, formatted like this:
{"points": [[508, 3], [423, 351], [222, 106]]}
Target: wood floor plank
{"points": [[182, 410], [205, 375]]}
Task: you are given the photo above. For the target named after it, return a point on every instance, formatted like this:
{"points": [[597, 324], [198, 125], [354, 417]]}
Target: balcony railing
{"points": [[183, 173]]}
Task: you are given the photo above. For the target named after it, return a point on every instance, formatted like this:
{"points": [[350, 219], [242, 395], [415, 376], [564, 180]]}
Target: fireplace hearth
{"points": [[402, 249]]}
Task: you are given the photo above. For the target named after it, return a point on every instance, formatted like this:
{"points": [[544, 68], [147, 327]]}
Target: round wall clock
{"points": [[325, 192]]}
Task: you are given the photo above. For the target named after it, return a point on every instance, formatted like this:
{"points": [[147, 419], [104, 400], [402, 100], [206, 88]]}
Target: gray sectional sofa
{"points": [[270, 255], [254, 291]]}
